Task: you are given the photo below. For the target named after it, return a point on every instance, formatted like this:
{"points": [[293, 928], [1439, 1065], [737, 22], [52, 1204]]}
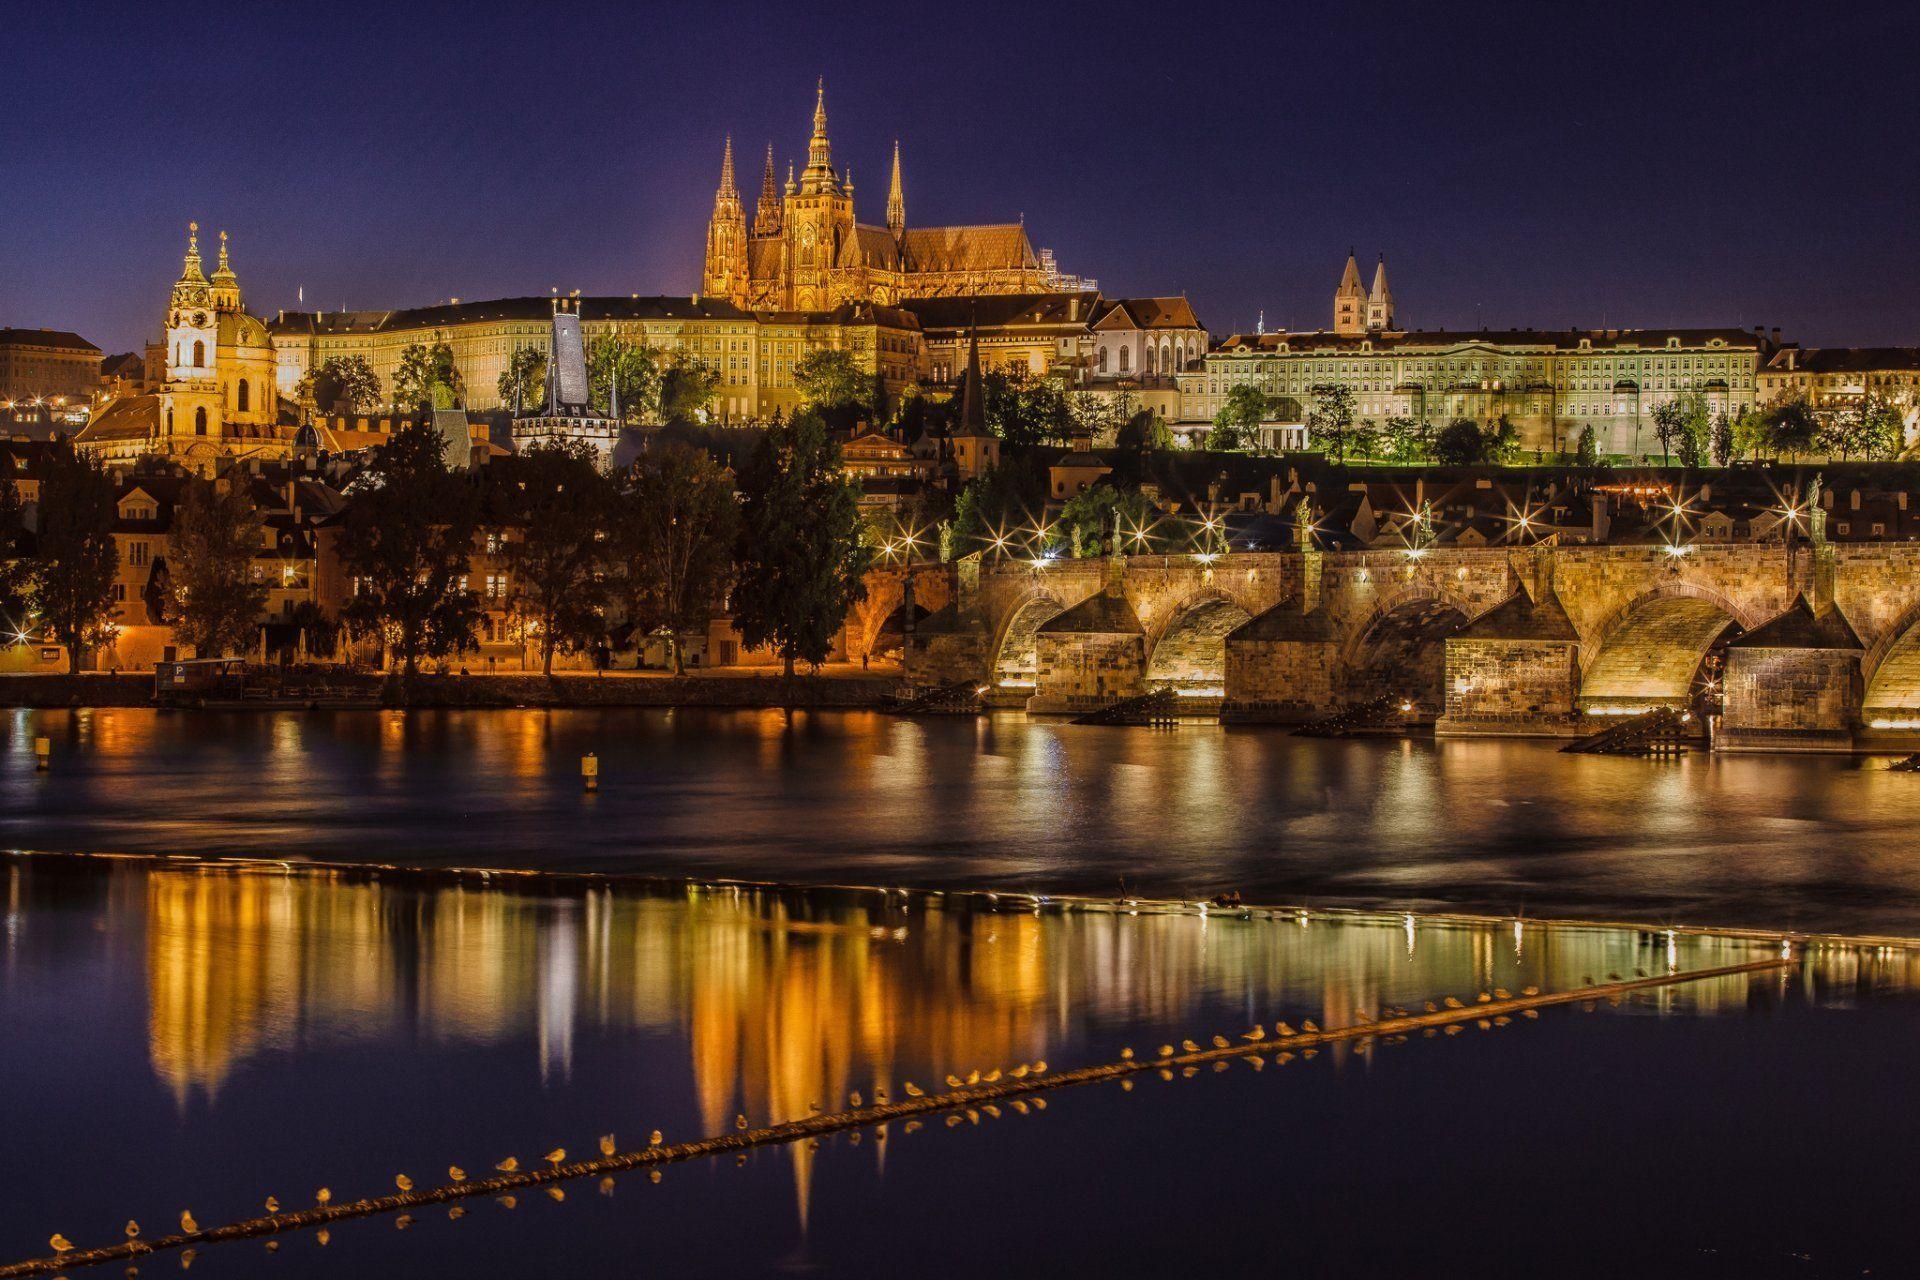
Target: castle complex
{"points": [[806, 252]]}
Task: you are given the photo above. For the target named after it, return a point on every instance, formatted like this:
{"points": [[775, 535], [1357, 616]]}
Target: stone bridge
{"points": [[1810, 645]]}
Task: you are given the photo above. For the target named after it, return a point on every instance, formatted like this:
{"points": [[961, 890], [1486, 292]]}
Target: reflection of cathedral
{"points": [[215, 366], [805, 252]]}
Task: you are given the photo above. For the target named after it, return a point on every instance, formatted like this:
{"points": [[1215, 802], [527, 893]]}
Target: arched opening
{"points": [[1663, 651], [1402, 653], [1893, 677], [890, 641], [200, 421], [240, 401], [1191, 656], [1016, 662], [199, 354], [1124, 354], [1100, 360]]}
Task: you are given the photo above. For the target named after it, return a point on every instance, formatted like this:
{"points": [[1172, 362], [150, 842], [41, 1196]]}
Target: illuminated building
{"points": [[44, 372], [806, 251], [217, 400]]}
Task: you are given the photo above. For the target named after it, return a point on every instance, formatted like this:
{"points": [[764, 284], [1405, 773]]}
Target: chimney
{"points": [[1776, 335], [1601, 520]]}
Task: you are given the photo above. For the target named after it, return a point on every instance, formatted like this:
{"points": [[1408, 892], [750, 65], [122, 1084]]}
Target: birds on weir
{"points": [[1219, 1042], [556, 1156], [914, 1090], [510, 1165], [1190, 1046], [403, 1182], [456, 1173], [654, 1139], [1255, 1036], [132, 1229], [608, 1146], [1282, 1029], [324, 1195], [60, 1243], [187, 1224], [273, 1205], [1310, 1027]]}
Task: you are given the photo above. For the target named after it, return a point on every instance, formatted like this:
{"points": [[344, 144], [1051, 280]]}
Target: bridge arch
{"points": [[1890, 670], [1401, 648], [1190, 654], [1656, 648], [1015, 658]]}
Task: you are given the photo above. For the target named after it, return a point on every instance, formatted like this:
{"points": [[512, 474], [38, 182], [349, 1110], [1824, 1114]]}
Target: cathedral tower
{"points": [[819, 218], [726, 269], [896, 199], [1350, 301], [1380, 300], [766, 214]]}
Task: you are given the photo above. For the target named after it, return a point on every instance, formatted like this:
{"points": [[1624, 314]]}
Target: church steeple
{"points": [[973, 403], [190, 272], [226, 285], [1350, 300], [726, 265], [728, 191], [1380, 300], [766, 214], [896, 198], [819, 172]]}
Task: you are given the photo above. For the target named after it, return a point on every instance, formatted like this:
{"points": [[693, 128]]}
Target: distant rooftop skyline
{"points": [[1642, 166]]}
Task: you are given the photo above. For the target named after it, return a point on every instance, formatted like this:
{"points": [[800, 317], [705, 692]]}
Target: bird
{"points": [[608, 1146], [854, 1099], [507, 1202], [324, 1195], [555, 1156], [914, 1090], [739, 1122], [1021, 1107], [60, 1243], [187, 1224], [1361, 1015], [404, 1221], [1639, 973], [1019, 1072], [1255, 1036], [273, 1246], [1258, 1063], [1452, 1003], [992, 1077], [973, 1077], [1501, 993], [1126, 1055], [1166, 1051], [653, 1176], [953, 1082], [456, 1173], [132, 1229], [1310, 1026], [1529, 991], [1040, 1067], [992, 1111], [654, 1139], [952, 1121], [1432, 1007], [1039, 1104], [557, 1195], [510, 1165], [1190, 1046], [880, 1096], [323, 1237], [273, 1205], [914, 1126], [1219, 1042], [1282, 1029], [456, 1212], [403, 1182], [1483, 998]]}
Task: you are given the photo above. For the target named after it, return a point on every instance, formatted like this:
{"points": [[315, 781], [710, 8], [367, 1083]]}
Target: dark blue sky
{"points": [[1519, 164]]}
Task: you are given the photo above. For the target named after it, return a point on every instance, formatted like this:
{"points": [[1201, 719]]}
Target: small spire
{"points": [[190, 271], [819, 150], [973, 405], [767, 214], [727, 188], [896, 198]]}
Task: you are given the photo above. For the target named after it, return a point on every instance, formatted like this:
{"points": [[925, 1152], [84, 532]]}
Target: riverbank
{"points": [[848, 689]]}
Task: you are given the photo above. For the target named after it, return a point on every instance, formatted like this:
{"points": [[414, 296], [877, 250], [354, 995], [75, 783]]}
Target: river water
{"points": [[1008, 803], [178, 1034]]}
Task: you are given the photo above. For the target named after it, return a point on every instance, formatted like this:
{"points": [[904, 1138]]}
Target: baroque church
{"points": [[806, 252], [215, 369]]}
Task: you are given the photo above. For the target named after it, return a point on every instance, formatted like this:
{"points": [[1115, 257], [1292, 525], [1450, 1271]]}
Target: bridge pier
{"points": [[1793, 684], [1280, 667], [1089, 656], [1514, 671]]}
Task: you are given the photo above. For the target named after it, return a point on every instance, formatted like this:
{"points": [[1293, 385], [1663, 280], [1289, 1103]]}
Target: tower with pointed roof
{"points": [[726, 267], [896, 199], [1350, 301], [807, 251], [1380, 300]]}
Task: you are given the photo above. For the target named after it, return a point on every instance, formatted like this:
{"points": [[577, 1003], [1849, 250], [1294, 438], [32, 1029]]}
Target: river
{"points": [[1002, 802]]}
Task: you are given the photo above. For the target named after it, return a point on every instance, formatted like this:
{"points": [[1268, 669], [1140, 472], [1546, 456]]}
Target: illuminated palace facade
{"points": [[806, 251], [1549, 383], [754, 352]]}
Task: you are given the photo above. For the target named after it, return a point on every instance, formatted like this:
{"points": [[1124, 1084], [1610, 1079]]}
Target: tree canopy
{"points": [[558, 504], [75, 560], [213, 598], [426, 377]]}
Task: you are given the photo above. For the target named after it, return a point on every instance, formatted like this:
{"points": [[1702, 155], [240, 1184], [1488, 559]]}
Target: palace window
{"points": [[199, 355]]}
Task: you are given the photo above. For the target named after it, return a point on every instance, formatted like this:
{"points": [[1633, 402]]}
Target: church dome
{"points": [[239, 331]]}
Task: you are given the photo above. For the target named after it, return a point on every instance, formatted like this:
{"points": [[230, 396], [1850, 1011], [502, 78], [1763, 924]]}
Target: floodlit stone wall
{"points": [[1511, 683], [1778, 696]]}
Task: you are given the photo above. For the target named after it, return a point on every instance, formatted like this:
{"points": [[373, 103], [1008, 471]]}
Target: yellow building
{"points": [[806, 251], [753, 351], [217, 401]]}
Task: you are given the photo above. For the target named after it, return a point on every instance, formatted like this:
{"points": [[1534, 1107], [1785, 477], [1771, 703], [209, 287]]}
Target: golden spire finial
{"points": [[224, 265], [193, 237]]}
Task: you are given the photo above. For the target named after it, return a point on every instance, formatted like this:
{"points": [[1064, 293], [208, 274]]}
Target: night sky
{"points": [[1519, 164]]}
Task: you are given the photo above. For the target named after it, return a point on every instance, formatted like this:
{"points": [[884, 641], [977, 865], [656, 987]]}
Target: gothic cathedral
{"points": [[805, 251]]}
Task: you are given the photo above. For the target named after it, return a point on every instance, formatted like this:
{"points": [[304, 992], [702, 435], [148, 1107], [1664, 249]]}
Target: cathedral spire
{"points": [[767, 213], [896, 198], [819, 175], [1350, 300], [727, 188]]}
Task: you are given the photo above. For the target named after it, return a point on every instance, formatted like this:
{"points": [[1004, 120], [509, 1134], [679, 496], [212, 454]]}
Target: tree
{"points": [[687, 386], [1750, 432], [1239, 417], [75, 559], [1403, 439], [557, 504], [1720, 439], [1144, 432], [1098, 417], [834, 385], [632, 368], [997, 510], [1331, 418], [426, 376], [1102, 519], [213, 598], [405, 542], [1586, 452], [1026, 411], [800, 561], [523, 383], [15, 569], [1460, 443], [1791, 426], [1681, 425], [1869, 427], [674, 531], [340, 382]]}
